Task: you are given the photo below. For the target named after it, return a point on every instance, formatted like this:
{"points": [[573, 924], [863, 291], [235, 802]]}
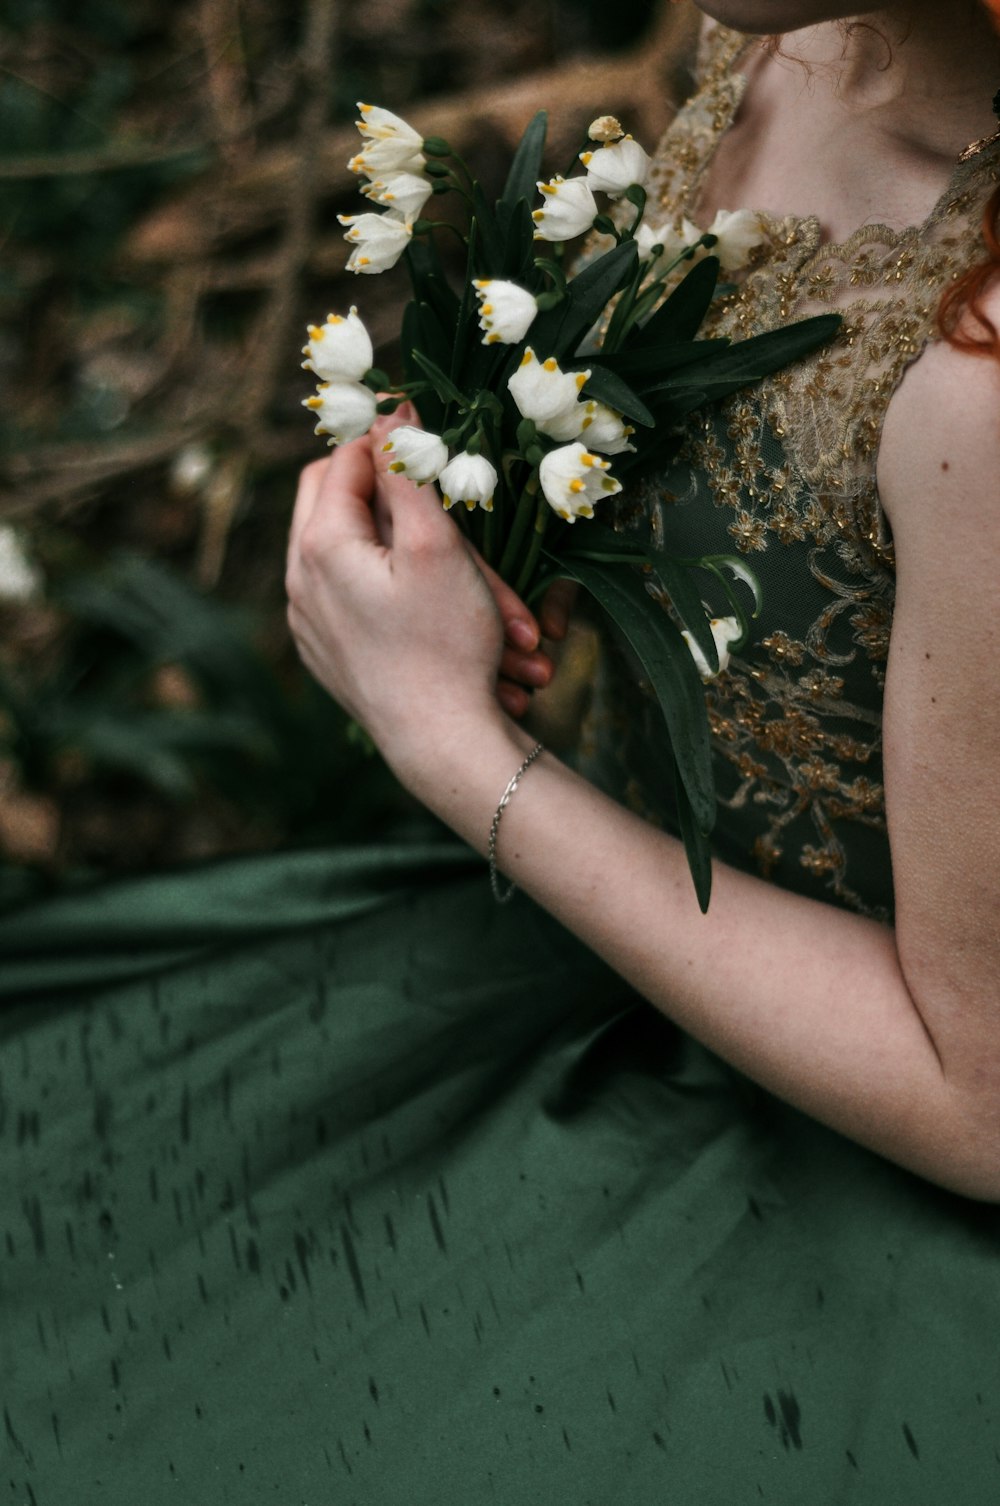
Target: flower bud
{"points": [[572, 480], [550, 396], [569, 210], [390, 145], [612, 169], [404, 193], [339, 350], [470, 479], [605, 128], [505, 310], [345, 410], [379, 240], [416, 453]]}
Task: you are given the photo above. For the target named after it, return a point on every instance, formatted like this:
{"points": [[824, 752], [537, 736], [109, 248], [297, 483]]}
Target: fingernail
{"points": [[406, 412], [524, 634]]}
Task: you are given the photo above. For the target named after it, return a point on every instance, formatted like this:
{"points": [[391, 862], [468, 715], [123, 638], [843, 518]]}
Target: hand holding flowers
{"points": [[539, 390]]}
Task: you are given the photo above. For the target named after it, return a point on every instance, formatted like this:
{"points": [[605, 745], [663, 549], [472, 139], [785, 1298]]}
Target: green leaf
{"points": [[680, 316], [491, 241], [430, 285], [748, 361], [673, 574], [652, 361], [667, 661], [607, 387], [440, 381], [560, 331], [526, 168], [518, 260], [696, 844]]}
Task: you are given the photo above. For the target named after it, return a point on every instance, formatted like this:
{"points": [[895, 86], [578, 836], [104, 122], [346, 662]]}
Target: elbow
{"points": [[967, 1154]]}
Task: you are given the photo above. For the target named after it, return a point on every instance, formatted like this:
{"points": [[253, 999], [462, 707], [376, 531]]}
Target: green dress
{"points": [[328, 1182]]}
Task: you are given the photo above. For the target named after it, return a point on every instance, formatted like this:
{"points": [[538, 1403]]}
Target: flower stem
{"points": [[517, 531], [542, 515]]}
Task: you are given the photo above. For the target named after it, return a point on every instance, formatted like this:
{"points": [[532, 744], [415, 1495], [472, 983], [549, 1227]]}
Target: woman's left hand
{"points": [[405, 634]]}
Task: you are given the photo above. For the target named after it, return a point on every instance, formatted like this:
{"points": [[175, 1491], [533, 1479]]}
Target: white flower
{"points": [[738, 233], [606, 430], [572, 480], [605, 128], [379, 240], [390, 145], [647, 237], [725, 630], [505, 310], [345, 410], [469, 479], [570, 209], [20, 578], [613, 168], [417, 454], [339, 350], [404, 193], [550, 396]]}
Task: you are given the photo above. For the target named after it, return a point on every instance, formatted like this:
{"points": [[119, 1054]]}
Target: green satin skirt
{"points": [[328, 1181]]}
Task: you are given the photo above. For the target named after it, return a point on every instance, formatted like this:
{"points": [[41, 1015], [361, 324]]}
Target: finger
{"points": [[534, 671], [557, 608], [334, 495], [514, 700], [520, 626], [408, 513]]}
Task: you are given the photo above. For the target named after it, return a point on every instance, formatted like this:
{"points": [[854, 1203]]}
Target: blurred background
{"points": [[170, 178]]}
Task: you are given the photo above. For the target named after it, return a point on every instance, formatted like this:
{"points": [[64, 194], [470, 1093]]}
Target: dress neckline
{"points": [[734, 47]]}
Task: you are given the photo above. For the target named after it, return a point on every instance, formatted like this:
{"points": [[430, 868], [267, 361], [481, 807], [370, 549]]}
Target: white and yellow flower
{"points": [[340, 349], [550, 396], [404, 193], [655, 242], [572, 480], [470, 479], [345, 410], [505, 310], [570, 209], [725, 631], [416, 453], [390, 145], [606, 430], [613, 168], [605, 128], [379, 240]]}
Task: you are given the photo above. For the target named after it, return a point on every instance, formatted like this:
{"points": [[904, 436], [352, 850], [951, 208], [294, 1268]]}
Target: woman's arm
{"points": [[895, 1046]]}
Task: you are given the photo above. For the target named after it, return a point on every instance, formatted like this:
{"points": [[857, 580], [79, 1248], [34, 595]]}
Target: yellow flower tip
{"points": [[387, 447], [586, 512], [538, 214], [397, 467], [470, 503], [486, 309], [388, 198], [547, 188], [315, 333], [551, 364], [564, 514], [587, 421], [494, 340], [319, 429], [363, 261], [323, 386], [576, 485], [487, 506], [585, 158], [446, 502], [586, 459], [312, 402], [334, 319], [363, 108], [581, 377], [609, 485], [527, 358]]}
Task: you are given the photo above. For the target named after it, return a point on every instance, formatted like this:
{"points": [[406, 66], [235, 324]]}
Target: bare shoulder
{"points": [[939, 477]]}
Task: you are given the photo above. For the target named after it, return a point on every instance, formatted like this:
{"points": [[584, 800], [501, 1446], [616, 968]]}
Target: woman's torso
{"points": [[783, 475]]}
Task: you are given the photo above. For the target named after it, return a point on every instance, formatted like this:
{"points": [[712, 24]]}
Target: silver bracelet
{"points": [[498, 894]]}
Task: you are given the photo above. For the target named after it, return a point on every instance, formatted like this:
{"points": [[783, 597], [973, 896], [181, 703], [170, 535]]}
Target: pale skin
{"points": [[892, 1037]]}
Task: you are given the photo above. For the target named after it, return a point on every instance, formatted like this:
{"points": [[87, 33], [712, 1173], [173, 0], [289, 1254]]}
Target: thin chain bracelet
{"points": [[498, 894]]}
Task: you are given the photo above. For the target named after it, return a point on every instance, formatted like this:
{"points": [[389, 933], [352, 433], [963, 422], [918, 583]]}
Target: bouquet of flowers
{"points": [[542, 381]]}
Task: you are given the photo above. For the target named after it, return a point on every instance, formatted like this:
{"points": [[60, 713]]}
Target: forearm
{"points": [[807, 1000]]}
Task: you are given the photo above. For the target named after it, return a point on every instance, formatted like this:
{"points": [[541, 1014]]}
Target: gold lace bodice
{"points": [[785, 474]]}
